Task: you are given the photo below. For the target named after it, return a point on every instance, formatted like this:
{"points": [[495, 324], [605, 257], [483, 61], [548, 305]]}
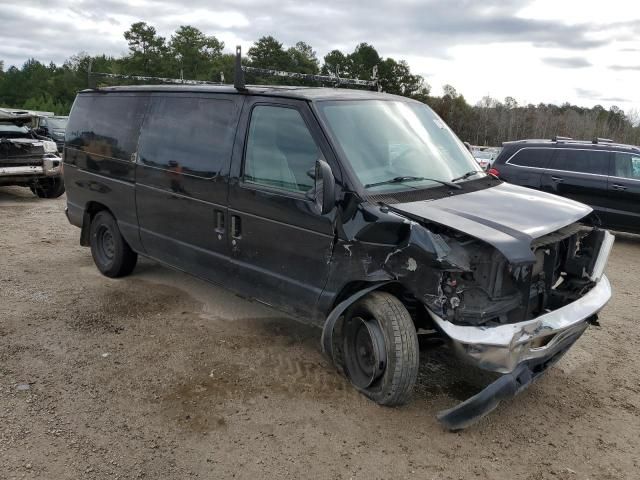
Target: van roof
{"points": [[299, 92]]}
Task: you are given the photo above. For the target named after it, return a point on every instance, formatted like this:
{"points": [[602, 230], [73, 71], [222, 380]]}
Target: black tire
{"points": [[111, 253], [391, 330], [49, 187]]}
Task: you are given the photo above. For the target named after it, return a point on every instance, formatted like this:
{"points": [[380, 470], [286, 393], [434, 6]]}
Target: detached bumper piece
{"points": [[504, 388]]}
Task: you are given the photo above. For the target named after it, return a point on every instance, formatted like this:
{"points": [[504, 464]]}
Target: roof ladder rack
{"points": [[238, 77], [336, 80], [92, 76]]}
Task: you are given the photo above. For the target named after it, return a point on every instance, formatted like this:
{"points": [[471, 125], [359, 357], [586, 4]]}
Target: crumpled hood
{"points": [[508, 217], [19, 118]]}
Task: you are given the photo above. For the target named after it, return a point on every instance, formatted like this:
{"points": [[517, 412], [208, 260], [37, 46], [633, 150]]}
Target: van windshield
{"points": [[396, 145]]}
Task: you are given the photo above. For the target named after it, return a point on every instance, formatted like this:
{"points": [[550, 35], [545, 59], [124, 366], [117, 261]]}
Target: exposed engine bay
{"points": [[492, 291]]}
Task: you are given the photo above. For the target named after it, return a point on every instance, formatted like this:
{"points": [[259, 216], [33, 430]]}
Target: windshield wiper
{"points": [[409, 179], [465, 176]]}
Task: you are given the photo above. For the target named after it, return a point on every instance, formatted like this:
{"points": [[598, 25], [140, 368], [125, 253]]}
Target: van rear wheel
{"points": [[380, 349], [111, 253]]}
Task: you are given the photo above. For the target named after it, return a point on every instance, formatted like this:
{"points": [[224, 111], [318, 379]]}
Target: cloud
{"points": [[567, 62], [60, 28], [624, 68], [518, 46], [598, 97]]}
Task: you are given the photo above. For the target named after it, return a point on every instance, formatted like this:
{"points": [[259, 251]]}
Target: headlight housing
{"points": [[49, 147]]}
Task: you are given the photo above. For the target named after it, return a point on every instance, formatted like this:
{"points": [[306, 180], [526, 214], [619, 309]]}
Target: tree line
{"points": [[189, 53]]}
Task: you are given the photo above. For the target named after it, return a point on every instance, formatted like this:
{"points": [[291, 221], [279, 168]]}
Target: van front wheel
{"points": [[111, 253], [380, 349]]}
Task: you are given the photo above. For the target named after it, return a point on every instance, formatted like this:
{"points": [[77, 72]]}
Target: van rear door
{"points": [[101, 139], [183, 161]]}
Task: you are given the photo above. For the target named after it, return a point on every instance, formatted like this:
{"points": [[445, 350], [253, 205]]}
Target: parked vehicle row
{"points": [[359, 211], [600, 173]]}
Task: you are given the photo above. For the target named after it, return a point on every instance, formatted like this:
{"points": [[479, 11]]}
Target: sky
{"points": [[585, 52]]}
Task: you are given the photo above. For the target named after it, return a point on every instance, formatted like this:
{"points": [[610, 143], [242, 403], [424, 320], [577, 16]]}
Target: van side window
{"points": [[106, 125], [532, 157], [581, 161], [188, 135], [627, 165], [280, 151]]}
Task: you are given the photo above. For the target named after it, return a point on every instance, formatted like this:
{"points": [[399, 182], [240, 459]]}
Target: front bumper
{"points": [[51, 166], [502, 348], [522, 351], [21, 171]]}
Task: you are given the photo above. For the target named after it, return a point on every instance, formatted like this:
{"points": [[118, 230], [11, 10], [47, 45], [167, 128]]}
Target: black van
{"points": [[358, 211], [603, 174]]}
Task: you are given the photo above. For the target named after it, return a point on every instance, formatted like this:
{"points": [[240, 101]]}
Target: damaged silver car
{"points": [[358, 211], [28, 159]]}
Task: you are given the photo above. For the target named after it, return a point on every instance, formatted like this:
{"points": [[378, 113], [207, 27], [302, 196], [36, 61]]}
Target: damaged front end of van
{"points": [[511, 291]]}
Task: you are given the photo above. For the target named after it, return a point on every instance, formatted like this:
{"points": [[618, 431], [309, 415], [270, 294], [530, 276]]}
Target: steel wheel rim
{"points": [[106, 244], [365, 356]]}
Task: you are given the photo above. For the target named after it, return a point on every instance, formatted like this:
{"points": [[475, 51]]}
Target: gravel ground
{"points": [[162, 376]]}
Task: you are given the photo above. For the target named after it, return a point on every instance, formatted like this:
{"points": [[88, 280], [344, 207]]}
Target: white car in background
{"points": [[484, 158]]}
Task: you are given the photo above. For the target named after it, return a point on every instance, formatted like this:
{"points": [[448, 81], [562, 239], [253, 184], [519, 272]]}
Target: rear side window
{"points": [[190, 135], [106, 125], [280, 149], [627, 165], [581, 161], [532, 157]]}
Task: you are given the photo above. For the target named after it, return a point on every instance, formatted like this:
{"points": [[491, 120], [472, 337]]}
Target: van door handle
{"points": [[236, 227], [557, 179], [617, 186], [219, 216]]}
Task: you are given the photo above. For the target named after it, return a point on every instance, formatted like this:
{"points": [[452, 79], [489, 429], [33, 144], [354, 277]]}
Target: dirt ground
{"points": [[162, 376]]}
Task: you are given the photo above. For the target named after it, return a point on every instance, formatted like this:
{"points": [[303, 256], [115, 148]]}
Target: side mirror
{"points": [[325, 187]]}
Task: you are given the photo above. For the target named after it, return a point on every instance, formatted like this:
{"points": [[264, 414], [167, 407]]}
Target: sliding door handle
{"points": [[236, 227], [219, 217], [617, 186], [557, 179]]}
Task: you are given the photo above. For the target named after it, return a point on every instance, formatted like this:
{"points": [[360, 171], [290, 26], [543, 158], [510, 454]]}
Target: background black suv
{"points": [[602, 174]]}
